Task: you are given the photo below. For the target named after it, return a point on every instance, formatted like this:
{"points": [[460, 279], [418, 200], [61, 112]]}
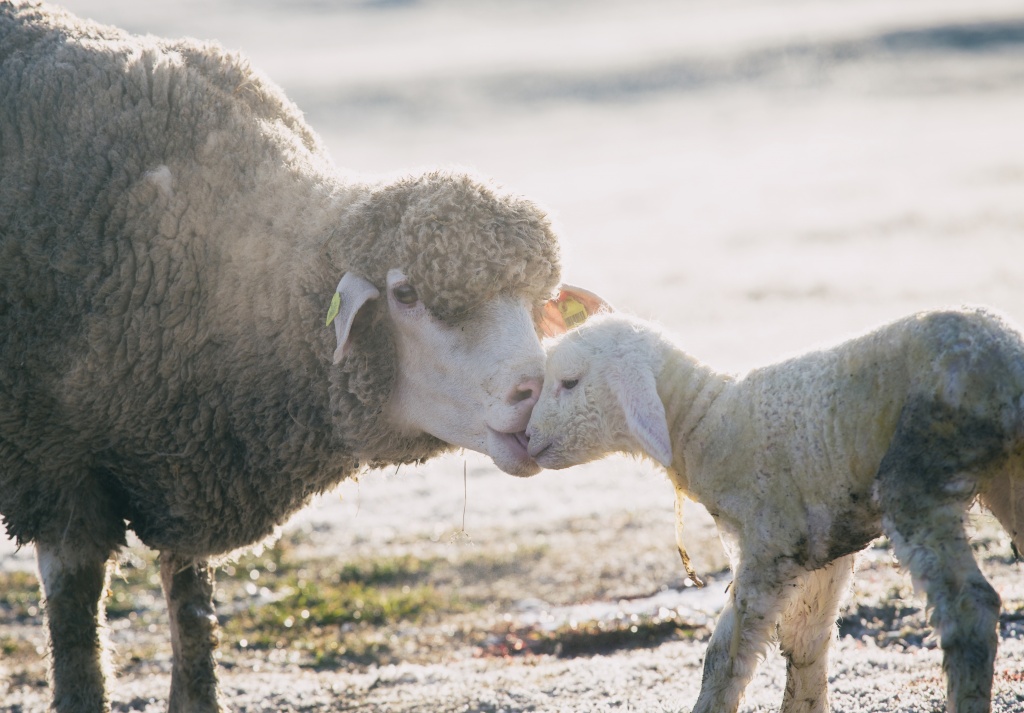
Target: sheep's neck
{"points": [[687, 389]]}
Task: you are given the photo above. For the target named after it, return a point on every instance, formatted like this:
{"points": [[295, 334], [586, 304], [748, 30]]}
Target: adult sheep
{"points": [[171, 236], [803, 463]]}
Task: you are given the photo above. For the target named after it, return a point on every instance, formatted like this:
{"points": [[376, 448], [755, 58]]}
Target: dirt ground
{"points": [[761, 178]]}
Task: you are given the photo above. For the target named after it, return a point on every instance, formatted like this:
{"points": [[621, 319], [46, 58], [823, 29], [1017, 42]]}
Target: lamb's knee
{"points": [[807, 627], [806, 687], [967, 624]]}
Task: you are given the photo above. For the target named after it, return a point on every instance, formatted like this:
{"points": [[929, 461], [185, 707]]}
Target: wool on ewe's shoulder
{"points": [[803, 463]]}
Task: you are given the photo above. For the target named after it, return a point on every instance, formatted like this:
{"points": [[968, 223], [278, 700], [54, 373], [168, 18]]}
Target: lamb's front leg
{"points": [[188, 586], [806, 631], [742, 635]]}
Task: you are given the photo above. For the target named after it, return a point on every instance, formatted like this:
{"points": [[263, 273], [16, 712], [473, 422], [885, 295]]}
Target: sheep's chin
{"points": [[508, 451], [554, 461]]}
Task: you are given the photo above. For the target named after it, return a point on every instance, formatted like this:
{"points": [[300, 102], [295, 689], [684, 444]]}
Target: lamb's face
{"points": [[471, 384], [574, 421], [600, 396]]}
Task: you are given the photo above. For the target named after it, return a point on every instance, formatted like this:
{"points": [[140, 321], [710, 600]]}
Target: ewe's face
{"points": [[571, 424], [472, 383]]}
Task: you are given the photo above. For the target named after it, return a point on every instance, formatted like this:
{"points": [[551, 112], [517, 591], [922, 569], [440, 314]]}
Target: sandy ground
{"points": [[760, 177]]}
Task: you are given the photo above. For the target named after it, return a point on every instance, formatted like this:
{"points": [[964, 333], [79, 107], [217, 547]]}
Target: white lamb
{"points": [[803, 463]]}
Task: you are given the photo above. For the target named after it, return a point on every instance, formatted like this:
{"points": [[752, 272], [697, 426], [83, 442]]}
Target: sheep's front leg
{"points": [[741, 637], [74, 584], [188, 586], [806, 631]]}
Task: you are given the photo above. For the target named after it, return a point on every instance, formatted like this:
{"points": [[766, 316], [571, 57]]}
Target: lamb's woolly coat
{"points": [[171, 233], [804, 462], [815, 429]]}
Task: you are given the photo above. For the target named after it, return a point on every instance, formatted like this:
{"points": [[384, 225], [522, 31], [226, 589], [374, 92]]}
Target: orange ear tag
{"points": [[573, 312]]}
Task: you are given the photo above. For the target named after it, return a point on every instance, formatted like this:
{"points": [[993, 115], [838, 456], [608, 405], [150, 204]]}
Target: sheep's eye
{"points": [[406, 294], [569, 384]]}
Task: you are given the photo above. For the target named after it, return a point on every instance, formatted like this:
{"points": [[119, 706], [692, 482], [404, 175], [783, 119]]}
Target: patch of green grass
{"points": [[330, 615], [15, 647], [303, 606], [19, 597], [390, 571]]}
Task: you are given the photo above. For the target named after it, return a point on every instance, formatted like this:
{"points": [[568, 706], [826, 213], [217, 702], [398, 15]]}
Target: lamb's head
{"points": [[446, 279], [600, 396]]}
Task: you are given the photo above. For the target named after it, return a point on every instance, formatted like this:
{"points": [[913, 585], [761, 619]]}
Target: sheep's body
{"points": [[171, 233], [804, 462]]}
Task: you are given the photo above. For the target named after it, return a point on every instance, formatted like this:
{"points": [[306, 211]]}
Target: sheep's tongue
{"points": [[518, 443], [508, 450]]}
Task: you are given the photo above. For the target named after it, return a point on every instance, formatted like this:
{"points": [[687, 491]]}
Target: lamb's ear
{"points": [[353, 292], [569, 309], [637, 393]]}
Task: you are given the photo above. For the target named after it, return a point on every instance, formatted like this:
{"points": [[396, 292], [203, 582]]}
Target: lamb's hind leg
{"points": [[188, 587], [1004, 497], [926, 527], [74, 582], [806, 631]]}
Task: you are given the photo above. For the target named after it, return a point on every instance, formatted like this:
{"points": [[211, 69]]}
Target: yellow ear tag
{"points": [[332, 311], [573, 312]]}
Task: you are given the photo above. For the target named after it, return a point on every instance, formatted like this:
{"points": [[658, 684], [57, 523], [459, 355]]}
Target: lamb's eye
{"points": [[569, 384], [406, 294]]}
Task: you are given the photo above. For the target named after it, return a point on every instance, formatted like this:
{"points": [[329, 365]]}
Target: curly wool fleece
{"points": [[171, 233]]}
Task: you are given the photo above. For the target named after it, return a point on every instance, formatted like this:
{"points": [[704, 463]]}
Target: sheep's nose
{"points": [[525, 393]]}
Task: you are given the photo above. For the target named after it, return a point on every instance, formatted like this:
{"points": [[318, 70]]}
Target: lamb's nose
{"points": [[525, 392]]}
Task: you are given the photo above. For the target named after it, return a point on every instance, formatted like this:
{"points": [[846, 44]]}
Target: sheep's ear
{"points": [[353, 292], [569, 309], [637, 393]]}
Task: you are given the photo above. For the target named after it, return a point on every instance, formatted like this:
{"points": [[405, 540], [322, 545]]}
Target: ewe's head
{"points": [[458, 240], [600, 396], [437, 340]]}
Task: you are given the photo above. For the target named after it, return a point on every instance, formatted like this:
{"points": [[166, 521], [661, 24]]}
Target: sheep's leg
{"points": [[74, 584], [929, 539], [1004, 497], [741, 637], [188, 586], [806, 631]]}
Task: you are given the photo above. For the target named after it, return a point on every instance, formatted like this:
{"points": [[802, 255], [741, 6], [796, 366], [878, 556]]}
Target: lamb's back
{"points": [[826, 419], [810, 433]]}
